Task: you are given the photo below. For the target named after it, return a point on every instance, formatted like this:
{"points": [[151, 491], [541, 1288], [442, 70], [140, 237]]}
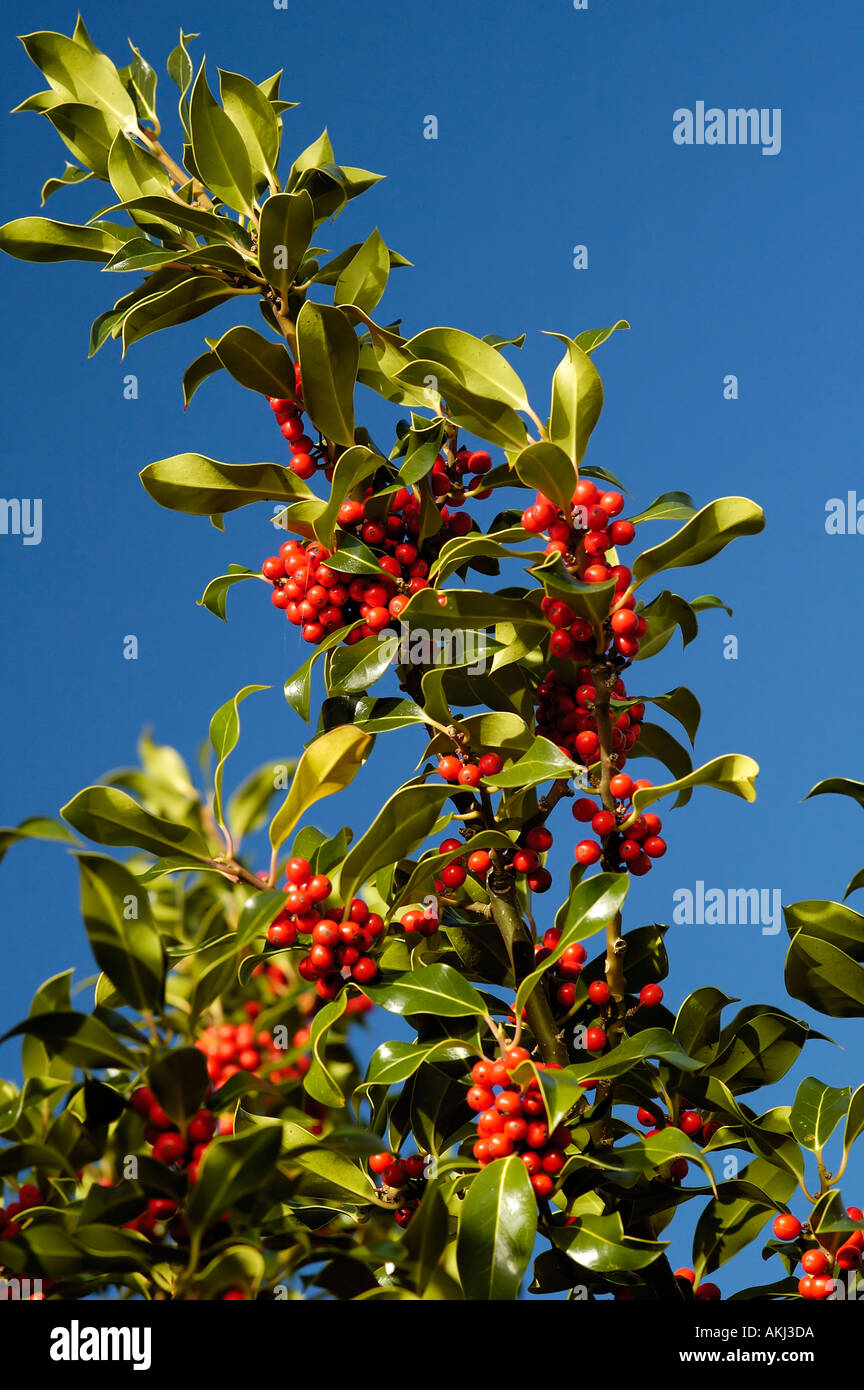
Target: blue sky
{"points": [[554, 130]]}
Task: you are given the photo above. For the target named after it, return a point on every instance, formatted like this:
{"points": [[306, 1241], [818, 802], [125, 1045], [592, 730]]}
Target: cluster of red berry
{"points": [[690, 1122], [460, 768], [523, 859], [585, 538], [511, 1119], [566, 715], [703, 1292], [171, 1145], [400, 1180], [637, 846], [289, 417], [233, 1047], [29, 1196], [337, 940], [319, 598], [448, 477], [819, 1264]]}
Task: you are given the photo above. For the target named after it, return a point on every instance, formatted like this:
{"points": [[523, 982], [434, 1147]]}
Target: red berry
{"points": [[480, 861], [815, 1262], [595, 1039], [584, 809], [539, 838], [364, 970], [490, 765], [621, 786], [480, 1098], [587, 852], [599, 992], [378, 1162], [469, 775], [603, 823], [786, 1226], [650, 995], [449, 768]]}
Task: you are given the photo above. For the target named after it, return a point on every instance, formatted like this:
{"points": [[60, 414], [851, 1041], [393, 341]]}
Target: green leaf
{"points": [[403, 823], [577, 400], [249, 805], [201, 486], [255, 120], [70, 176], [329, 357], [224, 733], [825, 977], [319, 1082], [80, 1039], [357, 668], [364, 279], [188, 300], [697, 1024], [206, 224], [110, 817], [353, 467], [594, 337], [592, 904], [838, 786], [817, 1111], [431, 989], [86, 132], [180, 1083], [832, 922], [731, 772], [328, 765], [287, 221], [656, 742], [700, 538], [393, 1062], [681, 703], [854, 1120], [82, 74], [326, 1163], [197, 372], [479, 367], [134, 173], [591, 601], [547, 468], [143, 81], [670, 506], [481, 414], [35, 828], [123, 938], [542, 762], [215, 596], [497, 1228], [181, 72], [232, 1168], [599, 1243], [219, 150], [298, 687], [255, 362], [757, 1048], [40, 239]]}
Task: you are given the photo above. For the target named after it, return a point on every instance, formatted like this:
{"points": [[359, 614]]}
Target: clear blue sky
{"points": [[555, 129]]}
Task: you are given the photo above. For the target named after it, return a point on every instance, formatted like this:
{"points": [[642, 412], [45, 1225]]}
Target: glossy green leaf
{"points": [[404, 822], [329, 356], [232, 1168], [431, 989], [255, 362], [80, 1039], [592, 904], [479, 367], [35, 828], [204, 366], [254, 119], [839, 786], [364, 279], [215, 596], [594, 337], [825, 977], [542, 762], [577, 400], [732, 772], [700, 538], [600, 1243], [320, 1082], [180, 1082], [219, 150], [224, 734], [121, 932], [110, 817], [670, 506], [547, 468], [134, 173], [497, 1228], [734, 1218], [82, 74], [393, 1062], [40, 239], [353, 467], [287, 221], [817, 1111], [201, 486], [328, 765]]}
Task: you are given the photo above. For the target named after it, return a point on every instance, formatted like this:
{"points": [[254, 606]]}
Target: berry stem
{"points": [[516, 938]]}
